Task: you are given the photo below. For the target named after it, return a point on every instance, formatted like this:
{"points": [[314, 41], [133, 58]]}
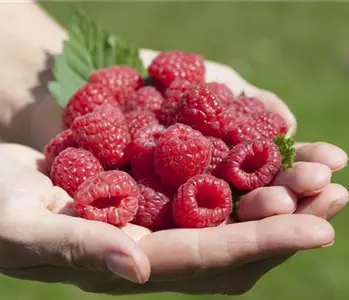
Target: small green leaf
{"points": [[89, 47], [287, 150]]}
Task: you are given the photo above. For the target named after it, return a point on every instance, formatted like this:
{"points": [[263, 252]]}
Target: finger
{"points": [[225, 74], [304, 179], [266, 202], [78, 244], [330, 155], [25, 155], [327, 204], [199, 251]]}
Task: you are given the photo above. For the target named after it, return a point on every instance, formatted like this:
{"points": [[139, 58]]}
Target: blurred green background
{"points": [[298, 50]]}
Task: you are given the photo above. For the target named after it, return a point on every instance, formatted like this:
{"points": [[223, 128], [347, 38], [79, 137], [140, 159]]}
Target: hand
{"points": [[40, 241], [238, 254]]}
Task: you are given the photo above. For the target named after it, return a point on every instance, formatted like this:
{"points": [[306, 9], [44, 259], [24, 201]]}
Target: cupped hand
{"points": [[40, 239], [51, 245]]}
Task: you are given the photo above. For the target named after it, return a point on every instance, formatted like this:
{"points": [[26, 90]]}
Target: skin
{"points": [[40, 239]]}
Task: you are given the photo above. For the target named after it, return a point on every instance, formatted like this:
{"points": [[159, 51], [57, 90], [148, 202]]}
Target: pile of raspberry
{"points": [[163, 155]]}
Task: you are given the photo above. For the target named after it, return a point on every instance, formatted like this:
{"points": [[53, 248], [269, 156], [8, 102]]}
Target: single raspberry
{"points": [[251, 164], [155, 205], [220, 151], [122, 80], [142, 150], [200, 108], [61, 141], [105, 134], [203, 201], [85, 100], [172, 65], [224, 95], [244, 106], [257, 125], [146, 98], [110, 197], [72, 167], [167, 115], [181, 153], [136, 120]]}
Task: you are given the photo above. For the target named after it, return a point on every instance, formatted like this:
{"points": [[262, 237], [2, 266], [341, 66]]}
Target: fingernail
{"points": [[339, 167], [327, 245], [335, 207], [123, 266]]}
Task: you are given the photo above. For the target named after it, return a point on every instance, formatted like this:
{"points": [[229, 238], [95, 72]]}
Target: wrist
{"points": [[27, 113]]}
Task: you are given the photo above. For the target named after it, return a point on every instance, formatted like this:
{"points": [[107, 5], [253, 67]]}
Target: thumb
{"points": [[203, 250], [73, 242]]}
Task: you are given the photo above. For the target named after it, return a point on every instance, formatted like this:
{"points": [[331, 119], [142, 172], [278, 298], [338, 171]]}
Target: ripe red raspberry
{"points": [[222, 92], [257, 125], [181, 153], [155, 205], [146, 98], [122, 80], [251, 164], [244, 106], [200, 108], [110, 197], [172, 65], [72, 167], [142, 150], [219, 151], [85, 100], [136, 120], [60, 142], [105, 134], [173, 94], [203, 201]]}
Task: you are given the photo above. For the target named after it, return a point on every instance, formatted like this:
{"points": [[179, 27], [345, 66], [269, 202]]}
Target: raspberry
{"points": [[72, 167], [244, 105], [60, 142], [167, 115], [181, 153], [172, 65], [251, 164], [122, 80], [224, 95], [85, 100], [219, 151], [203, 201], [103, 133], [146, 98], [136, 120], [142, 150], [110, 197], [200, 108], [257, 125], [155, 205]]}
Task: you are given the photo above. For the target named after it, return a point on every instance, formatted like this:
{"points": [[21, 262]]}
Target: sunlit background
{"points": [[298, 50]]}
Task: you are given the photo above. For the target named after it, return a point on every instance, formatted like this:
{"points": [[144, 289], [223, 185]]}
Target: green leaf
{"points": [[287, 150], [89, 47]]}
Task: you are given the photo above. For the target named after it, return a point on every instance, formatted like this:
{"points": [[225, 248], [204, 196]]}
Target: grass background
{"points": [[298, 50]]}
